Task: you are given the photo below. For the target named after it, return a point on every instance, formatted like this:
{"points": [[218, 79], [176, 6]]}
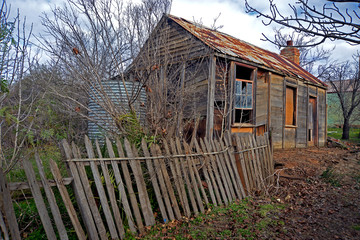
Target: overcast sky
{"points": [[233, 17]]}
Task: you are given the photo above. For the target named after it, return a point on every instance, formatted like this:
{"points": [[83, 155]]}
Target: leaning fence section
{"points": [[120, 188]]}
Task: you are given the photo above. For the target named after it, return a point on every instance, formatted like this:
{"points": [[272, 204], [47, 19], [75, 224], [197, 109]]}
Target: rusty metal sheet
{"points": [[231, 46]]}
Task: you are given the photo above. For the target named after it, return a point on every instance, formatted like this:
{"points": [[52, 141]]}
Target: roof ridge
{"points": [[232, 46]]}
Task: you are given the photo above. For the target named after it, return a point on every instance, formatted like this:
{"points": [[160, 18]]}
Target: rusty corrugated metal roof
{"points": [[231, 46]]}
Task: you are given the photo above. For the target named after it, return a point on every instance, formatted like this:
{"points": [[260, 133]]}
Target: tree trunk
{"points": [[346, 129]]}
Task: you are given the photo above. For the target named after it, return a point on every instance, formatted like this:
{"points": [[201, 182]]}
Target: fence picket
{"points": [[216, 172], [262, 159], [154, 180], [89, 195], [120, 185], [174, 175], [164, 191], [196, 172], [267, 160], [111, 193], [270, 153], [186, 176], [4, 229], [206, 174], [248, 163], [181, 181], [244, 165], [130, 189], [9, 209], [141, 187], [51, 199], [194, 183], [168, 183], [257, 162], [231, 152], [67, 201], [39, 201], [224, 170], [80, 197], [101, 191], [211, 173], [230, 170]]}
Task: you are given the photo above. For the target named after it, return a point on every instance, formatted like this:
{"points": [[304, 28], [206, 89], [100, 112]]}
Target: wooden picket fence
{"points": [[120, 188]]}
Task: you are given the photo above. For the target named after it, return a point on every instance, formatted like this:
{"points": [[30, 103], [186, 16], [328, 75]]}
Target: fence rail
{"points": [[120, 188]]}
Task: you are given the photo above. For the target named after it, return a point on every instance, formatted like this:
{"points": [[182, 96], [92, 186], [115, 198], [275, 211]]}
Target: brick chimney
{"points": [[291, 52]]}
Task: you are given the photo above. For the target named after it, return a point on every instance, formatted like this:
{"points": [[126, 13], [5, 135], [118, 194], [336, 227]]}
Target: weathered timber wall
{"points": [[301, 136], [261, 98], [322, 116], [277, 103]]}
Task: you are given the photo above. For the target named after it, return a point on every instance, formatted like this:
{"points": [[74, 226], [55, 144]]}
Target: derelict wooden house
{"points": [[261, 90]]}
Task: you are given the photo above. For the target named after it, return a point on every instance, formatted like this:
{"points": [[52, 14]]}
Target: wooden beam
{"points": [[269, 102], [307, 116], [231, 82], [254, 99], [284, 113], [17, 186], [211, 98]]}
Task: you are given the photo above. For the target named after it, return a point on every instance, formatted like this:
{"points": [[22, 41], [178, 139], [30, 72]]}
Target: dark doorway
{"points": [[312, 123]]}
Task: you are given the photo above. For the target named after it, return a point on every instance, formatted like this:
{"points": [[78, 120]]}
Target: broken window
{"points": [[243, 100]]}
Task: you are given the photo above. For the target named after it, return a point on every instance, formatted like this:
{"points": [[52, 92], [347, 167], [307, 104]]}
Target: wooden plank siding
{"points": [[261, 98], [277, 109], [301, 116], [322, 117]]}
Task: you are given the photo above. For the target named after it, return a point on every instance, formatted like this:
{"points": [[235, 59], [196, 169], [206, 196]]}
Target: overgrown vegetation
{"points": [[246, 219], [337, 133]]}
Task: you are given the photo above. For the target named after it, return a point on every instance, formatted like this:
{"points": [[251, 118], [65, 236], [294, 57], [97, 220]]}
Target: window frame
{"points": [[252, 81]]}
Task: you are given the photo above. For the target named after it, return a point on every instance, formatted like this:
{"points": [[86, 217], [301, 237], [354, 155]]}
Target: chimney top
{"points": [[291, 52]]}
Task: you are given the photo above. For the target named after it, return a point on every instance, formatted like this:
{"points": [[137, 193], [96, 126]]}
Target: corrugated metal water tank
{"points": [[116, 93]]}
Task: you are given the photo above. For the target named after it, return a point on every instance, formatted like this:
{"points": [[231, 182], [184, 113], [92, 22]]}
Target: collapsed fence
{"points": [[121, 188]]}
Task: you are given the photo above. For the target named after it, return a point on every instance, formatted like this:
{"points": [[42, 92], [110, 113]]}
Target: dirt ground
{"points": [[316, 195], [320, 188]]}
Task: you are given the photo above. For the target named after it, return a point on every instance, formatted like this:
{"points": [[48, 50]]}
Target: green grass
{"points": [[331, 177], [337, 133], [244, 219]]}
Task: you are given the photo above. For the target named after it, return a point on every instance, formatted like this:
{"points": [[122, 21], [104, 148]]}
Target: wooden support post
{"points": [[269, 103], [231, 94], [307, 115], [211, 98], [284, 113]]}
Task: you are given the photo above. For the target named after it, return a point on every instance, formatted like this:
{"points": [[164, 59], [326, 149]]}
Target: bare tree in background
{"points": [[94, 42], [16, 110], [344, 79], [333, 21], [315, 60]]}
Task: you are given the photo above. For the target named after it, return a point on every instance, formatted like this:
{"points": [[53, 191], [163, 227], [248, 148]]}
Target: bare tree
{"points": [[333, 21], [315, 60], [344, 79], [94, 42], [15, 60]]}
